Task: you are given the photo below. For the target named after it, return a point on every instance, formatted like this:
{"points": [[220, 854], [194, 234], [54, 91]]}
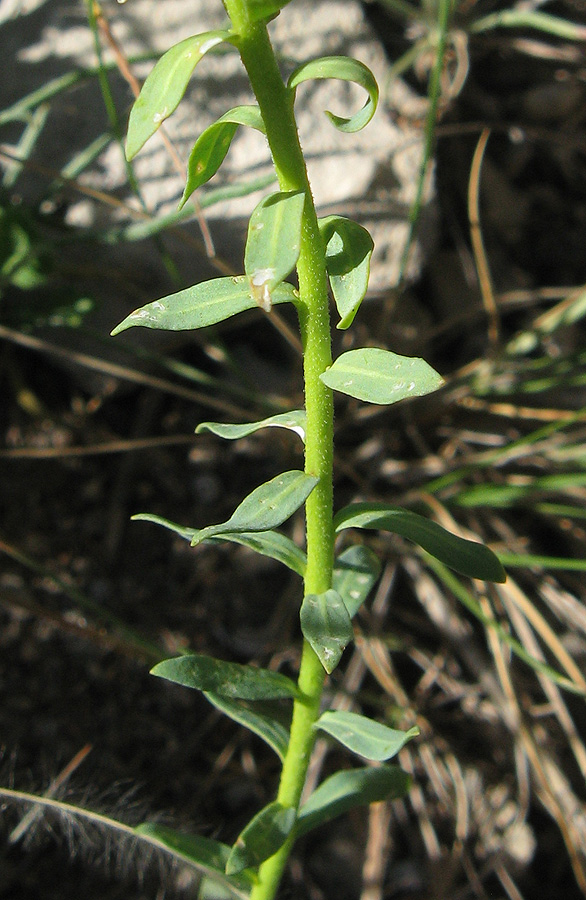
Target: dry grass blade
{"points": [[57, 783], [553, 792], [521, 611], [123, 372]]}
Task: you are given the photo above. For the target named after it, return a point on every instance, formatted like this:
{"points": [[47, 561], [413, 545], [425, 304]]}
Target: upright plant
{"points": [[285, 234]]}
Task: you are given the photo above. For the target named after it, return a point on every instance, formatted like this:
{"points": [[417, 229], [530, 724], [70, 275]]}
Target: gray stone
{"points": [[369, 176]]}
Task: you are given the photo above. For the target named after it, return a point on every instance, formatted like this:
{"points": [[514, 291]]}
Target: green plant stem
{"points": [[276, 105]]}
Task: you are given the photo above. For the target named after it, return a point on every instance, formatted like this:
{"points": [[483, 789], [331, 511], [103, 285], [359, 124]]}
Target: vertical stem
{"points": [[276, 105]]}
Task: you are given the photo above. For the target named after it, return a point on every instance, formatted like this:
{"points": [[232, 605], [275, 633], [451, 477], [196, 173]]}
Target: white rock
{"points": [[369, 176]]}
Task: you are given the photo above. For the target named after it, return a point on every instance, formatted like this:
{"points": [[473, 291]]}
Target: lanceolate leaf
{"points": [[345, 69], [213, 144], [205, 854], [346, 790], [226, 678], [293, 421], [326, 625], [273, 243], [364, 736], [265, 541], [166, 85], [265, 726], [268, 506], [269, 543], [379, 376], [348, 250], [202, 304], [261, 838], [356, 571], [467, 557]]}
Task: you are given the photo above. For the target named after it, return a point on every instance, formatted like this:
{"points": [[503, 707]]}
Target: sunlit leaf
{"points": [[345, 790], [267, 727], [202, 304], [348, 250], [379, 376], [363, 735], [232, 680], [467, 557], [344, 69], [261, 838], [326, 625], [273, 544], [204, 853], [293, 421], [165, 86], [356, 571], [273, 243], [212, 145]]}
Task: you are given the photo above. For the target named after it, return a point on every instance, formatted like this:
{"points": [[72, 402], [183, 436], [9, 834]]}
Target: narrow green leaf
{"points": [[261, 838], [165, 86], [547, 563], [356, 571], [207, 855], [213, 144], [379, 376], [270, 729], [232, 680], [348, 251], [529, 18], [202, 304], [273, 243], [364, 736], [344, 69], [273, 544], [467, 557], [345, 790], [293, 421], [326, 625]]}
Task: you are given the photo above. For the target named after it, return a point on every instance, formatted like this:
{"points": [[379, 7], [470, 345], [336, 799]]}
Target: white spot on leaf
{"points": [[259, 287]]}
